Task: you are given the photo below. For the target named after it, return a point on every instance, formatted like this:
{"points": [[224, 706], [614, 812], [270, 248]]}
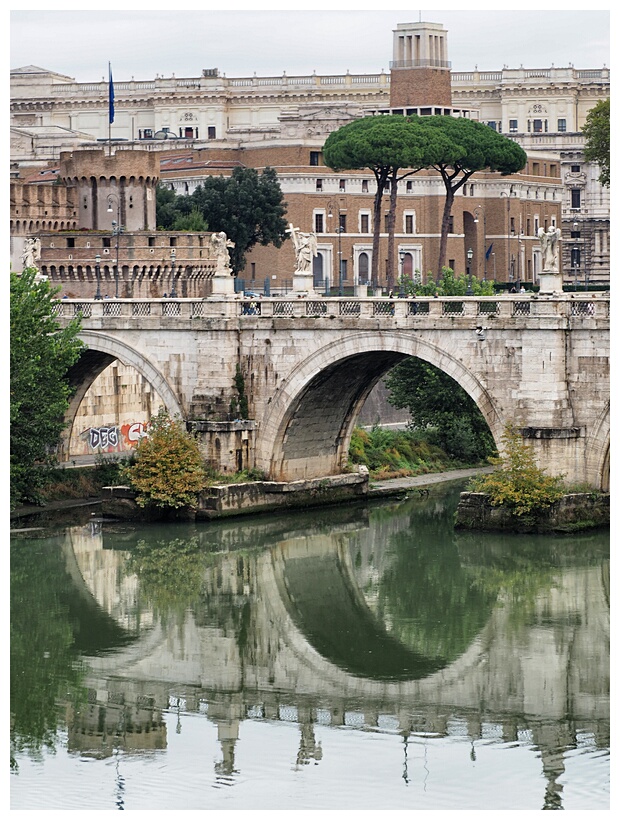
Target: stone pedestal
{"points": [[550, 282], [303, 283], [223, 282]]}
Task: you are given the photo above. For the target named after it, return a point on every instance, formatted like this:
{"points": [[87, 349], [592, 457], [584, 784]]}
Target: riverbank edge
{"points": [[574, 512], [228, 500]]}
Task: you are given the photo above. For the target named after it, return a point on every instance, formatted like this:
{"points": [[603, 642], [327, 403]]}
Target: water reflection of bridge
{"points": [[255, 648]]}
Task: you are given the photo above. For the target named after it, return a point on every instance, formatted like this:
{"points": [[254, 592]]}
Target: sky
{"points": [[145, 41]]}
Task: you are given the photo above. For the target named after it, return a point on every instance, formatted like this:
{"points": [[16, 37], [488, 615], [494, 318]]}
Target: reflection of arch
{"points": [[101, 351], [314, 582], [332, 385]]}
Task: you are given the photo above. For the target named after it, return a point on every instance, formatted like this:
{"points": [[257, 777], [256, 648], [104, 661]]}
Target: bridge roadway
{"points": [[255, 647], [538, 362]]}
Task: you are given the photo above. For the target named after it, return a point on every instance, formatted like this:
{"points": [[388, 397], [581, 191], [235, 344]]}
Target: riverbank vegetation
{"points": [[518, 483], [41, 353], [400, 453]]}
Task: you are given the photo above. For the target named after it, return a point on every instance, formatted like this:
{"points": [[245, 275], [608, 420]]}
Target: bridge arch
{"points": [[597, 451], [101, 351], [307, 429]]}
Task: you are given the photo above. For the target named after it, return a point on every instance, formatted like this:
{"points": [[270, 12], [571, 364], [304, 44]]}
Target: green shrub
{"points": [[168, 471], [518, 483]]}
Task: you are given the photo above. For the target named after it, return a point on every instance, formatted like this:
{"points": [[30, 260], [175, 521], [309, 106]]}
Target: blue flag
{"points": [[111, 95], [488, 253]]}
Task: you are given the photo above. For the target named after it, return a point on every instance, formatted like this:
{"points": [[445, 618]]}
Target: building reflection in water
{"points": [[362, 625]]}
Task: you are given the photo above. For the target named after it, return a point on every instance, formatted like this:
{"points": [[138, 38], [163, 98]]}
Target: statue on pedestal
{"points": [[31, 253], [305, 248], [221, 244], [549, 243]]}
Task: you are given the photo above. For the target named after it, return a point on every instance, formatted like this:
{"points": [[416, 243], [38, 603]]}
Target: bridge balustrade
{"points": [[446, 307]]}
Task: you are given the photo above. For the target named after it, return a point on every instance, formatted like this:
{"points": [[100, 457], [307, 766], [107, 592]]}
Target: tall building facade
{"points": [[196, 124]]}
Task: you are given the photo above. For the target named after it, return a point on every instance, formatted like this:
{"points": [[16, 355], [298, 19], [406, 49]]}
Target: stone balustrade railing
{"points": [[383, 308]]}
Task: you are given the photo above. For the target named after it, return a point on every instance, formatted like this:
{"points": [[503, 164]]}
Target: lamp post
{"points": [[173, 259], [484, 237], [470, 256], [117, 229], [401, 283], [330, 208], [98, 275], [509, 194]]}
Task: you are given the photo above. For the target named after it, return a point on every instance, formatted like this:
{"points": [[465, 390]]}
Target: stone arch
{"points": [[101, 351], [307, 428], [597, 449]]}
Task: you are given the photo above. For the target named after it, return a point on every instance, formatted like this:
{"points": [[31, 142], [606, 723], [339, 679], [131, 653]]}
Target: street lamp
{"points": [[98, 275], [401, 284], [173, 259], [484, 236], [117, 229], [330, 209], [509, 194], [470, 256]]}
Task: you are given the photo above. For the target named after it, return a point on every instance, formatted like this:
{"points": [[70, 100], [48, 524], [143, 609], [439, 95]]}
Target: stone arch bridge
{"points": [[306, 366]]}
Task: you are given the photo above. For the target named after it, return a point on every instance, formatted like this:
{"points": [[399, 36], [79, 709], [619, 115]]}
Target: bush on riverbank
{"points": [[518, 484], [399, 453]]}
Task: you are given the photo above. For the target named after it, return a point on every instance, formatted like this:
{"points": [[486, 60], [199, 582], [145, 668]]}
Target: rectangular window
{"points": [[342, 185], [408, 223], [364, 223], [211, 132], [319, 184], [409, 186], [451, 226], [106, 241], [535, 169], [314, 157], [553, 170], [527, 227], [318, 223], [342, 223], [575, 198], [513, 126], [512, 225], [538, 126], [70, 242], [562, 124], [364, 186], [575, 169], [343, 268], [492, 125], [151, 241]]}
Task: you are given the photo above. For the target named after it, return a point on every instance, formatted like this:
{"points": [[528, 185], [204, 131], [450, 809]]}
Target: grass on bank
{"points": [[401, 453]]}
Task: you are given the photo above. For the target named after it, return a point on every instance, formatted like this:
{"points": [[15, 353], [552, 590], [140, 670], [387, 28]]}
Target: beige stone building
{"points": [[283, 121]]}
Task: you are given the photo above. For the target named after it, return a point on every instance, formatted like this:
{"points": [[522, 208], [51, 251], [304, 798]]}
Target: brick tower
{"points": [[420, 71]]}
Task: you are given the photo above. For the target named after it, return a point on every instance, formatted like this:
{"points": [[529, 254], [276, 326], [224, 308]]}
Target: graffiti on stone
{"points": [[112, 439]]}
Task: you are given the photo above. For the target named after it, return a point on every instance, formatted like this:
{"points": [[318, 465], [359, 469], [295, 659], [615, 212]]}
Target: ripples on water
{"points": [[249, 671]]}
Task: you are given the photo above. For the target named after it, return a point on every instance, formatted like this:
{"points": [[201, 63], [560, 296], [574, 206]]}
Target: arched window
{"points": [[408, 266], [363, 266]]}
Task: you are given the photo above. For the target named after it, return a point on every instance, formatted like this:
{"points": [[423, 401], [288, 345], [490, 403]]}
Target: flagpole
{"points": [[110, 108]]}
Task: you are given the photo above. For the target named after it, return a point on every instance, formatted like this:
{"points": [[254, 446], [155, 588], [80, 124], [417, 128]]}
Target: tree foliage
{"points": [[597, 131], [518, 483], [247, 206], [440, 405], [455, 147], [385, 145], [168, 471], [41, 354]]}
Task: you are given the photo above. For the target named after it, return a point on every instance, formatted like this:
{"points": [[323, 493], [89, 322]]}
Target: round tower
{"points": [[117, 189]]}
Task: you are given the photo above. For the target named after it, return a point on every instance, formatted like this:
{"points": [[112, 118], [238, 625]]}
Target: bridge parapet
{"points": [[564, 306]]}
